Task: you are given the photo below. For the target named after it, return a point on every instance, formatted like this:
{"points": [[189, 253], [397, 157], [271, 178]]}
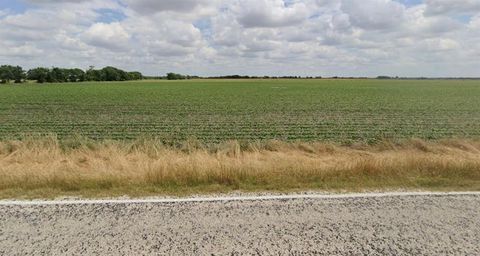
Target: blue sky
{"points": [[18, 7], [110, 15], [257, 37], [410, 2], [13, 5]]}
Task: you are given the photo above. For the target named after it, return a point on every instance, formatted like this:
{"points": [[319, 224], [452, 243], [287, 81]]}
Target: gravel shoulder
{"points": [[376, 225]]}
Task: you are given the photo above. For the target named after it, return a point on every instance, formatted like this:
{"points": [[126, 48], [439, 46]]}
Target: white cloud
{"points": [[109, 36], [439, 7], [20, 51], [148, 6], [3, 12], [278, 37], [424, 25], [374, 14], [178, 6], [269, 13], [441, 44], [475, 23]]}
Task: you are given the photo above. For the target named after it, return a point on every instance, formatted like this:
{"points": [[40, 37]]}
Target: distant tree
{"points": [[114, 74], [18, 74], [57, 75], [74, 75], [135, 76], [8, 73], [111, 74], [89, 74], [94, 75], [173, 76], [38, 74], [62, 75]]}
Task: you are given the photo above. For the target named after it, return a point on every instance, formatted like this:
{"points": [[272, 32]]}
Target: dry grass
{"points": [[46, 167]]}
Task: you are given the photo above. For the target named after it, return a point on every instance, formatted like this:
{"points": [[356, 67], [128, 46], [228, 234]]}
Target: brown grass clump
{"points": [[47, 167]]}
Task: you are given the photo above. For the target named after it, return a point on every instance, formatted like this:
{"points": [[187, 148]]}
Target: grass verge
{"points": [[46, 167]]}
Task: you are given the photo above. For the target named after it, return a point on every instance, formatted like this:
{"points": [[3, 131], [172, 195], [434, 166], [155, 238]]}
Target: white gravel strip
{"points": [[234, 198], [395, 223]]}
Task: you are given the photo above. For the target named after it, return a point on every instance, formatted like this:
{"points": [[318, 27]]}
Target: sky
{"points": [[435, 38]]}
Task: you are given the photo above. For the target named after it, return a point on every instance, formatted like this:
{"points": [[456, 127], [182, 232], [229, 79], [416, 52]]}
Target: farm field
{"points": [[202, 136], [212, 111]]}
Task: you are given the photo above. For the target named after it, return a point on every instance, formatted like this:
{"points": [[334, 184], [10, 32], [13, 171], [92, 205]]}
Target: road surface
{"points": [[404, 224]]}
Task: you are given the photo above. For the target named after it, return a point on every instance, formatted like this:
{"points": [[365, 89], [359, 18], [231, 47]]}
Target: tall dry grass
{"points": [[39, 167]]}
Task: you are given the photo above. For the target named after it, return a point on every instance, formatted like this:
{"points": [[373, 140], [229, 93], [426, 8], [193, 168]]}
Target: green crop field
{"points": [[217, 110]]}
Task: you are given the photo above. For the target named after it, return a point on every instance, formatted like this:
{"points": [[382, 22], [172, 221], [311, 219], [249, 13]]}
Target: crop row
{"points": [[213, 111]]}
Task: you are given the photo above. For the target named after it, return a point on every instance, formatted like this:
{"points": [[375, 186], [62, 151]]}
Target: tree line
{"points": [[17, 74]]}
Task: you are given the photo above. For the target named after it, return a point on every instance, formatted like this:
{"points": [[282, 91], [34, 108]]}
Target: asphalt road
{"points": [[385, 225]]}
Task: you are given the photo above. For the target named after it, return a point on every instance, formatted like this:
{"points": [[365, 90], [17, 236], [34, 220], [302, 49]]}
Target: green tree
{"points": [[173, 76], [94, 75], [18, 74], [8, 73], [135, 76], [56, 75], [61, 75], [38, 74], [115, 74], [74, 75]]}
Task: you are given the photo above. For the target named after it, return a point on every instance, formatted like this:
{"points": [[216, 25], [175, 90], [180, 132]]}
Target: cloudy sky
{"points": [[254, 37]]}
